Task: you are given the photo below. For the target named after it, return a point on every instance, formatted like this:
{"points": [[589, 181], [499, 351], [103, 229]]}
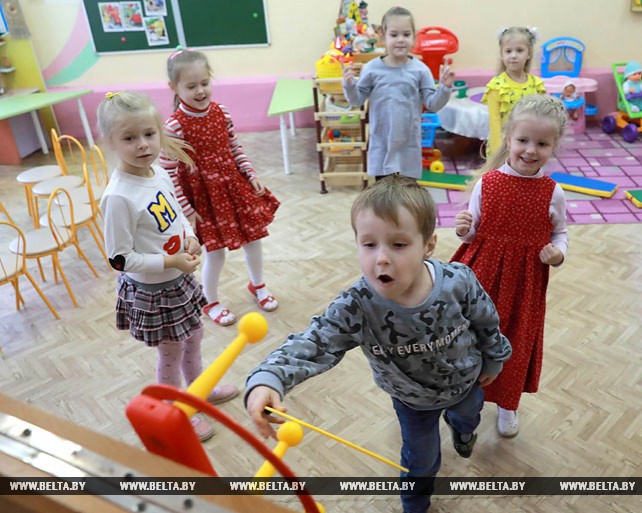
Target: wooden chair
{"points": [[29, 178], [14, 266], [53, 239], [74, 161]]}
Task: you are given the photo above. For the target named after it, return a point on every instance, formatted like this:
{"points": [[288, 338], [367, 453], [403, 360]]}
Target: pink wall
{"points": [[248, 100]]}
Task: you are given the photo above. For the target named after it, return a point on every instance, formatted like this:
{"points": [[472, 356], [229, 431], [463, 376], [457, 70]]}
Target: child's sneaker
{"points": [[464, 449], [222, 394], [507, 423], [202, 427]]}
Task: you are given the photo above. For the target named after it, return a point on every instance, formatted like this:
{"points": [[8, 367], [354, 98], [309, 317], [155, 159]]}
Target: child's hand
{"points": [[259, 188], [193, 219], [192, 246], [486, 379], [183, 261], [348, 72], [551, 255], [446, 75], [259, 398], [463, 222]]}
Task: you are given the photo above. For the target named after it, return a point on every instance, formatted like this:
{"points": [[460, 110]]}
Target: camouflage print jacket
{"points": [[427, 356]]}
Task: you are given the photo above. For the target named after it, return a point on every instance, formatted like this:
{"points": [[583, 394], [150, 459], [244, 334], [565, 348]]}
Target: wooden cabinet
{"points": [[342, 136]]}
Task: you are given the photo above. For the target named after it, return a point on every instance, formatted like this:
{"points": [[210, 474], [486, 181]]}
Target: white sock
{"points": [[253, 252], [213, 262], [506, 414]]}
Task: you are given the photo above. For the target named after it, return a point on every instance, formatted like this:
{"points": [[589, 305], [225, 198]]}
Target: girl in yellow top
{"points": [[516, 45]]}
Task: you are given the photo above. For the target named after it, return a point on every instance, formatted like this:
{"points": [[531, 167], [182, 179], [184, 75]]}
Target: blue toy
{"points": [[585, 185], [430, 156], [562, 56]]}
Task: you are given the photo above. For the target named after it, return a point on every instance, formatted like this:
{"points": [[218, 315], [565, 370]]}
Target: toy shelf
{"points": [[342, 136]]}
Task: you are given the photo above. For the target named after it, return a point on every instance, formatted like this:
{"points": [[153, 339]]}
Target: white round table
{"points": [[463, 116]]}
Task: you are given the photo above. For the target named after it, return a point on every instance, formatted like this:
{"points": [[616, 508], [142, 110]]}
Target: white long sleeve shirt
{"points": [[143, 223]]}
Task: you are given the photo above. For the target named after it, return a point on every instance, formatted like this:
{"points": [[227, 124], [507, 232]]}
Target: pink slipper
{"points": [[202, 427], [222, 393]]}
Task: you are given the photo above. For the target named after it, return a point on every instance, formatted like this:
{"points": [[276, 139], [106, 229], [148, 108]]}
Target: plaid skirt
{"points": [[168, 312]]}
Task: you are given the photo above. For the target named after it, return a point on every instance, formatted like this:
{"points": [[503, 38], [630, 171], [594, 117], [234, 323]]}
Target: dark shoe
{"points": [[464, 449]]}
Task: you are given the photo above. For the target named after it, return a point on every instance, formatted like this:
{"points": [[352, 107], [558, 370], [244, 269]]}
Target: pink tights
{"points": [[177, 357]]}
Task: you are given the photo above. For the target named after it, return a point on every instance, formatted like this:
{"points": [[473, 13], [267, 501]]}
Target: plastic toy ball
{"points": [[253, 326], [437, 166], [290, 433]]}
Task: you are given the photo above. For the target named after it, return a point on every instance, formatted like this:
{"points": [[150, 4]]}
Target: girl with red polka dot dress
{"points": [[512, 232], [221, 195]]}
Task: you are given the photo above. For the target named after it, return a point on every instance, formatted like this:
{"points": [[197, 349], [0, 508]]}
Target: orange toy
{"points": [[165, 429], [432, 44]]}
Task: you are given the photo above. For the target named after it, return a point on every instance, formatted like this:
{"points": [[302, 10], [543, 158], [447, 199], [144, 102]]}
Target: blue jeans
{"points": [[421, 449]]}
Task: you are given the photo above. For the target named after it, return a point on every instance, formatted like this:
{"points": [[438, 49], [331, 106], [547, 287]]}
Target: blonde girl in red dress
{"points": [[222, 195], [512, 232]]}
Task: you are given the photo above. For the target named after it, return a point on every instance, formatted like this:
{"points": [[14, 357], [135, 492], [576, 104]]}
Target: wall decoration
{"points": [[111, 16], [132, 15], [156, 31], [155, 8], [636, 5], [167, 23]]}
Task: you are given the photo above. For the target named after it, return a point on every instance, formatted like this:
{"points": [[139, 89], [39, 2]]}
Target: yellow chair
{"points": [[12, 267], [29, 178], [84, 214], [77, 158], [94, 187], [54, 239], [5, 212]]}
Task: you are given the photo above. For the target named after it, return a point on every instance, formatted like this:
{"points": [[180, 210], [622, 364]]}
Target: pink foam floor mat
{"points": [[592, 154]]}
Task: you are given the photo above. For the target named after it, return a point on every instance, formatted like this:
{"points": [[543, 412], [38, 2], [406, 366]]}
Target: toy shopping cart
{"points": [[430, 156]]}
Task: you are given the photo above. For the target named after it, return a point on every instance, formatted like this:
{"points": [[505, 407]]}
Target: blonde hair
{"points": [[179, 60], [529, 34], [387, 195], [539, 106], [396, 11], [134, 107]]}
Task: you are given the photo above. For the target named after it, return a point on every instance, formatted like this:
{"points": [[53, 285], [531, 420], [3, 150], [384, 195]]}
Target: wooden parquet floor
{"points": [[585, 421]]}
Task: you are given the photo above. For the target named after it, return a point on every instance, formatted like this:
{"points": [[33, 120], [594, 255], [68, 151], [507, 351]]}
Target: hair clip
{"points": [[500, 33], [179, 49], [534, 32], [110, 95]]}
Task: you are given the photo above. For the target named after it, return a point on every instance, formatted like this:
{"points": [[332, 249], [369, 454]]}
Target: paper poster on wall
{"points": [[132, 15], [111, 17], [155, 8], [156, 31]]}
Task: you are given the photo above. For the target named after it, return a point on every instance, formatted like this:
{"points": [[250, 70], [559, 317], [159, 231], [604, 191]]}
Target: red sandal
{"points": [[219, 318], [262, 302]]}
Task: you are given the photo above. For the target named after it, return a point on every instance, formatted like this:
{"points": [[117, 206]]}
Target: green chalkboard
{"points": [[224, 22], [144, 25]]}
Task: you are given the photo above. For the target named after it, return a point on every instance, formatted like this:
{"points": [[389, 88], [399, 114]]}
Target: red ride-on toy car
{"points": [[625, 119]]}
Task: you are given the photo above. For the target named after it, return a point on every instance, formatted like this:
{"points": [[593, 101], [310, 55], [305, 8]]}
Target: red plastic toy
{"points": [[432, 44]]}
